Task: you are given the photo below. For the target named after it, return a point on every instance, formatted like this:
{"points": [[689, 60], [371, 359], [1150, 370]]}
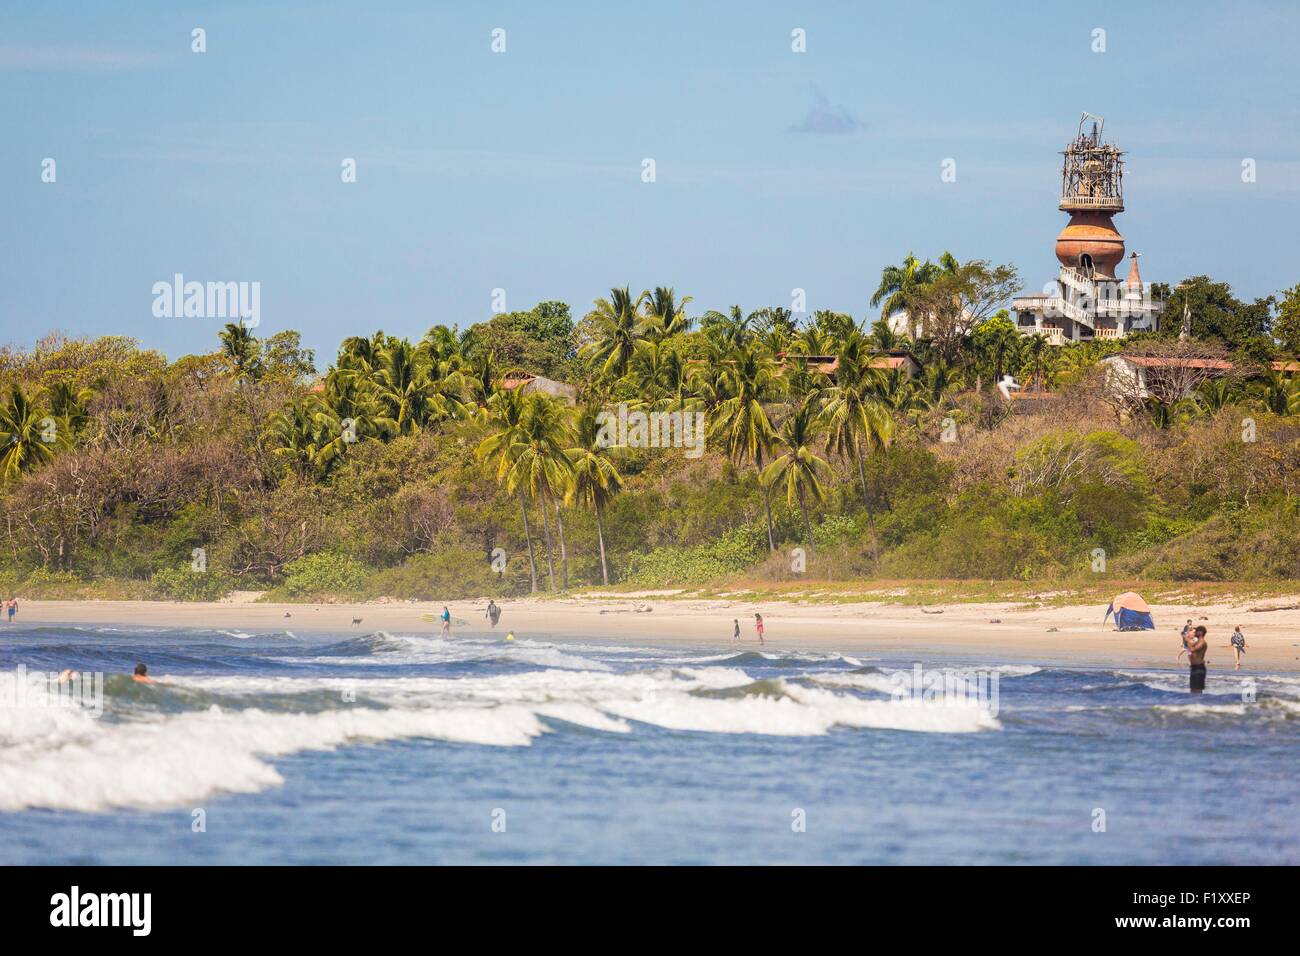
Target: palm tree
{"points": [[740, 422], [1037, 357], [799, 469], [648, 369], [505, 415], [617, 324], [480, 377], [776, 328], [28, 437], [664, 315], [412, 392], [240, 347], [728, 331], [301, 433], [855, 415], [595, 478], [540, 464], [900, 284], [68, 404]]}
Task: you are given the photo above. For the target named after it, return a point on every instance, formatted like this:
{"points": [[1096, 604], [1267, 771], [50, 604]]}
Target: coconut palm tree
{"points": [[595, 477], [617, 322], [540, 465], [900, 284], [649, 372], [1037, 357], [776, 328], [506, 411], [664, 315], [800, 469], [412, 392], [728, 331], [240, 347], [739, 422], [855, 415], [28, 436]]}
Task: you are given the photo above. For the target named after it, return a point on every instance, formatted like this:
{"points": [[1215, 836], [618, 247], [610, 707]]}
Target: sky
{"points": [[523, 170]]}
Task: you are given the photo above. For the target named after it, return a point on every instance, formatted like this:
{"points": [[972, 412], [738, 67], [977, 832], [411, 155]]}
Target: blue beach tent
{"points": [[1131, 613]]}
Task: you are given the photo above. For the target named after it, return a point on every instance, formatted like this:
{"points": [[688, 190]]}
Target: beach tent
{"points": [[1131, 613]]}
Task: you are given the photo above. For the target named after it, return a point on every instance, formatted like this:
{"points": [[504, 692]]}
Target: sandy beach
{"points": [[998, 633]]}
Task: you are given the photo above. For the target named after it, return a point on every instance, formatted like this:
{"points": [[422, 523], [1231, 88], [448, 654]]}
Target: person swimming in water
{"points": [[141, 675]]}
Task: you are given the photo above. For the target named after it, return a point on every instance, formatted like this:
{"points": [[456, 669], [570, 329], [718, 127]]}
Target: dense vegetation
{"points": [[407, 470]]}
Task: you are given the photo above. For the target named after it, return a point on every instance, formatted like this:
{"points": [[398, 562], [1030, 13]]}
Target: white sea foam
{"points": [[163, 762], [61, 758]]}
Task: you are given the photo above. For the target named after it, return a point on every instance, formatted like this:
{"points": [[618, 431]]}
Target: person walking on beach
{"points": [[758, 626], [1238, 645], [446, 620], [735, 630], [11, 606], [1196, 659], [493, 613]]}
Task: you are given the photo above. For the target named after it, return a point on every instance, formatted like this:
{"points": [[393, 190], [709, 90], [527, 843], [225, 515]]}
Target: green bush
{"points": [[325, 572], [186, 584], [732, 553], [449, 573]]}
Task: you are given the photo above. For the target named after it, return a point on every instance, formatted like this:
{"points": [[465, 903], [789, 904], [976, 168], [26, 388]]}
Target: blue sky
{"points": [[522, 170]]}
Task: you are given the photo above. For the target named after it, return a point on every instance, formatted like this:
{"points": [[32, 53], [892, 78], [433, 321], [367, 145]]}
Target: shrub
{"points": [[325, 572], [186, 584]]}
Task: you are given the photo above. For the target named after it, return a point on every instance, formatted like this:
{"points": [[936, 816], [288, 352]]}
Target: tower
{"points": [[1092, 191], [1086, 301]]}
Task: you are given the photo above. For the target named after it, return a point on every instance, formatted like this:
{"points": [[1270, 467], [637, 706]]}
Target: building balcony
{"points": [[1092, 204]]}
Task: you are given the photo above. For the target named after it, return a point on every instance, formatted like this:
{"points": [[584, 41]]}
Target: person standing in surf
{"points": [[1196, 649], [758, 626]]}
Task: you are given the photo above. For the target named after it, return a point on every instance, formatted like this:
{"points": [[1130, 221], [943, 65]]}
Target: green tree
{"points": [[615, 324], [740, 423], [799, 469], [854, 414], [900, 284], [241, 349], [595, 478], [28, 435]]}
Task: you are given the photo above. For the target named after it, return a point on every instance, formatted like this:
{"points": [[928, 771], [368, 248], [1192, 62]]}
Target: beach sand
{"points": [[1061, 635]]}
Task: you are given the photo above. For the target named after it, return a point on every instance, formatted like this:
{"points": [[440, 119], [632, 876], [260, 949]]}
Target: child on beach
{"points": [[758, 626], [1238, 645]]}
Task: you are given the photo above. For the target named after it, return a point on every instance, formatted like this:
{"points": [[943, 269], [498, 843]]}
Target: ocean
{"points": [[404, 748]]}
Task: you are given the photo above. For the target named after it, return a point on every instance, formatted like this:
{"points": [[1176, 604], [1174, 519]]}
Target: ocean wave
{"points": [[185, 758]]}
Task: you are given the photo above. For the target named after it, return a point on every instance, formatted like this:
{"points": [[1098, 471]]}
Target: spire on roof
{"points": [[1134, 280]]}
